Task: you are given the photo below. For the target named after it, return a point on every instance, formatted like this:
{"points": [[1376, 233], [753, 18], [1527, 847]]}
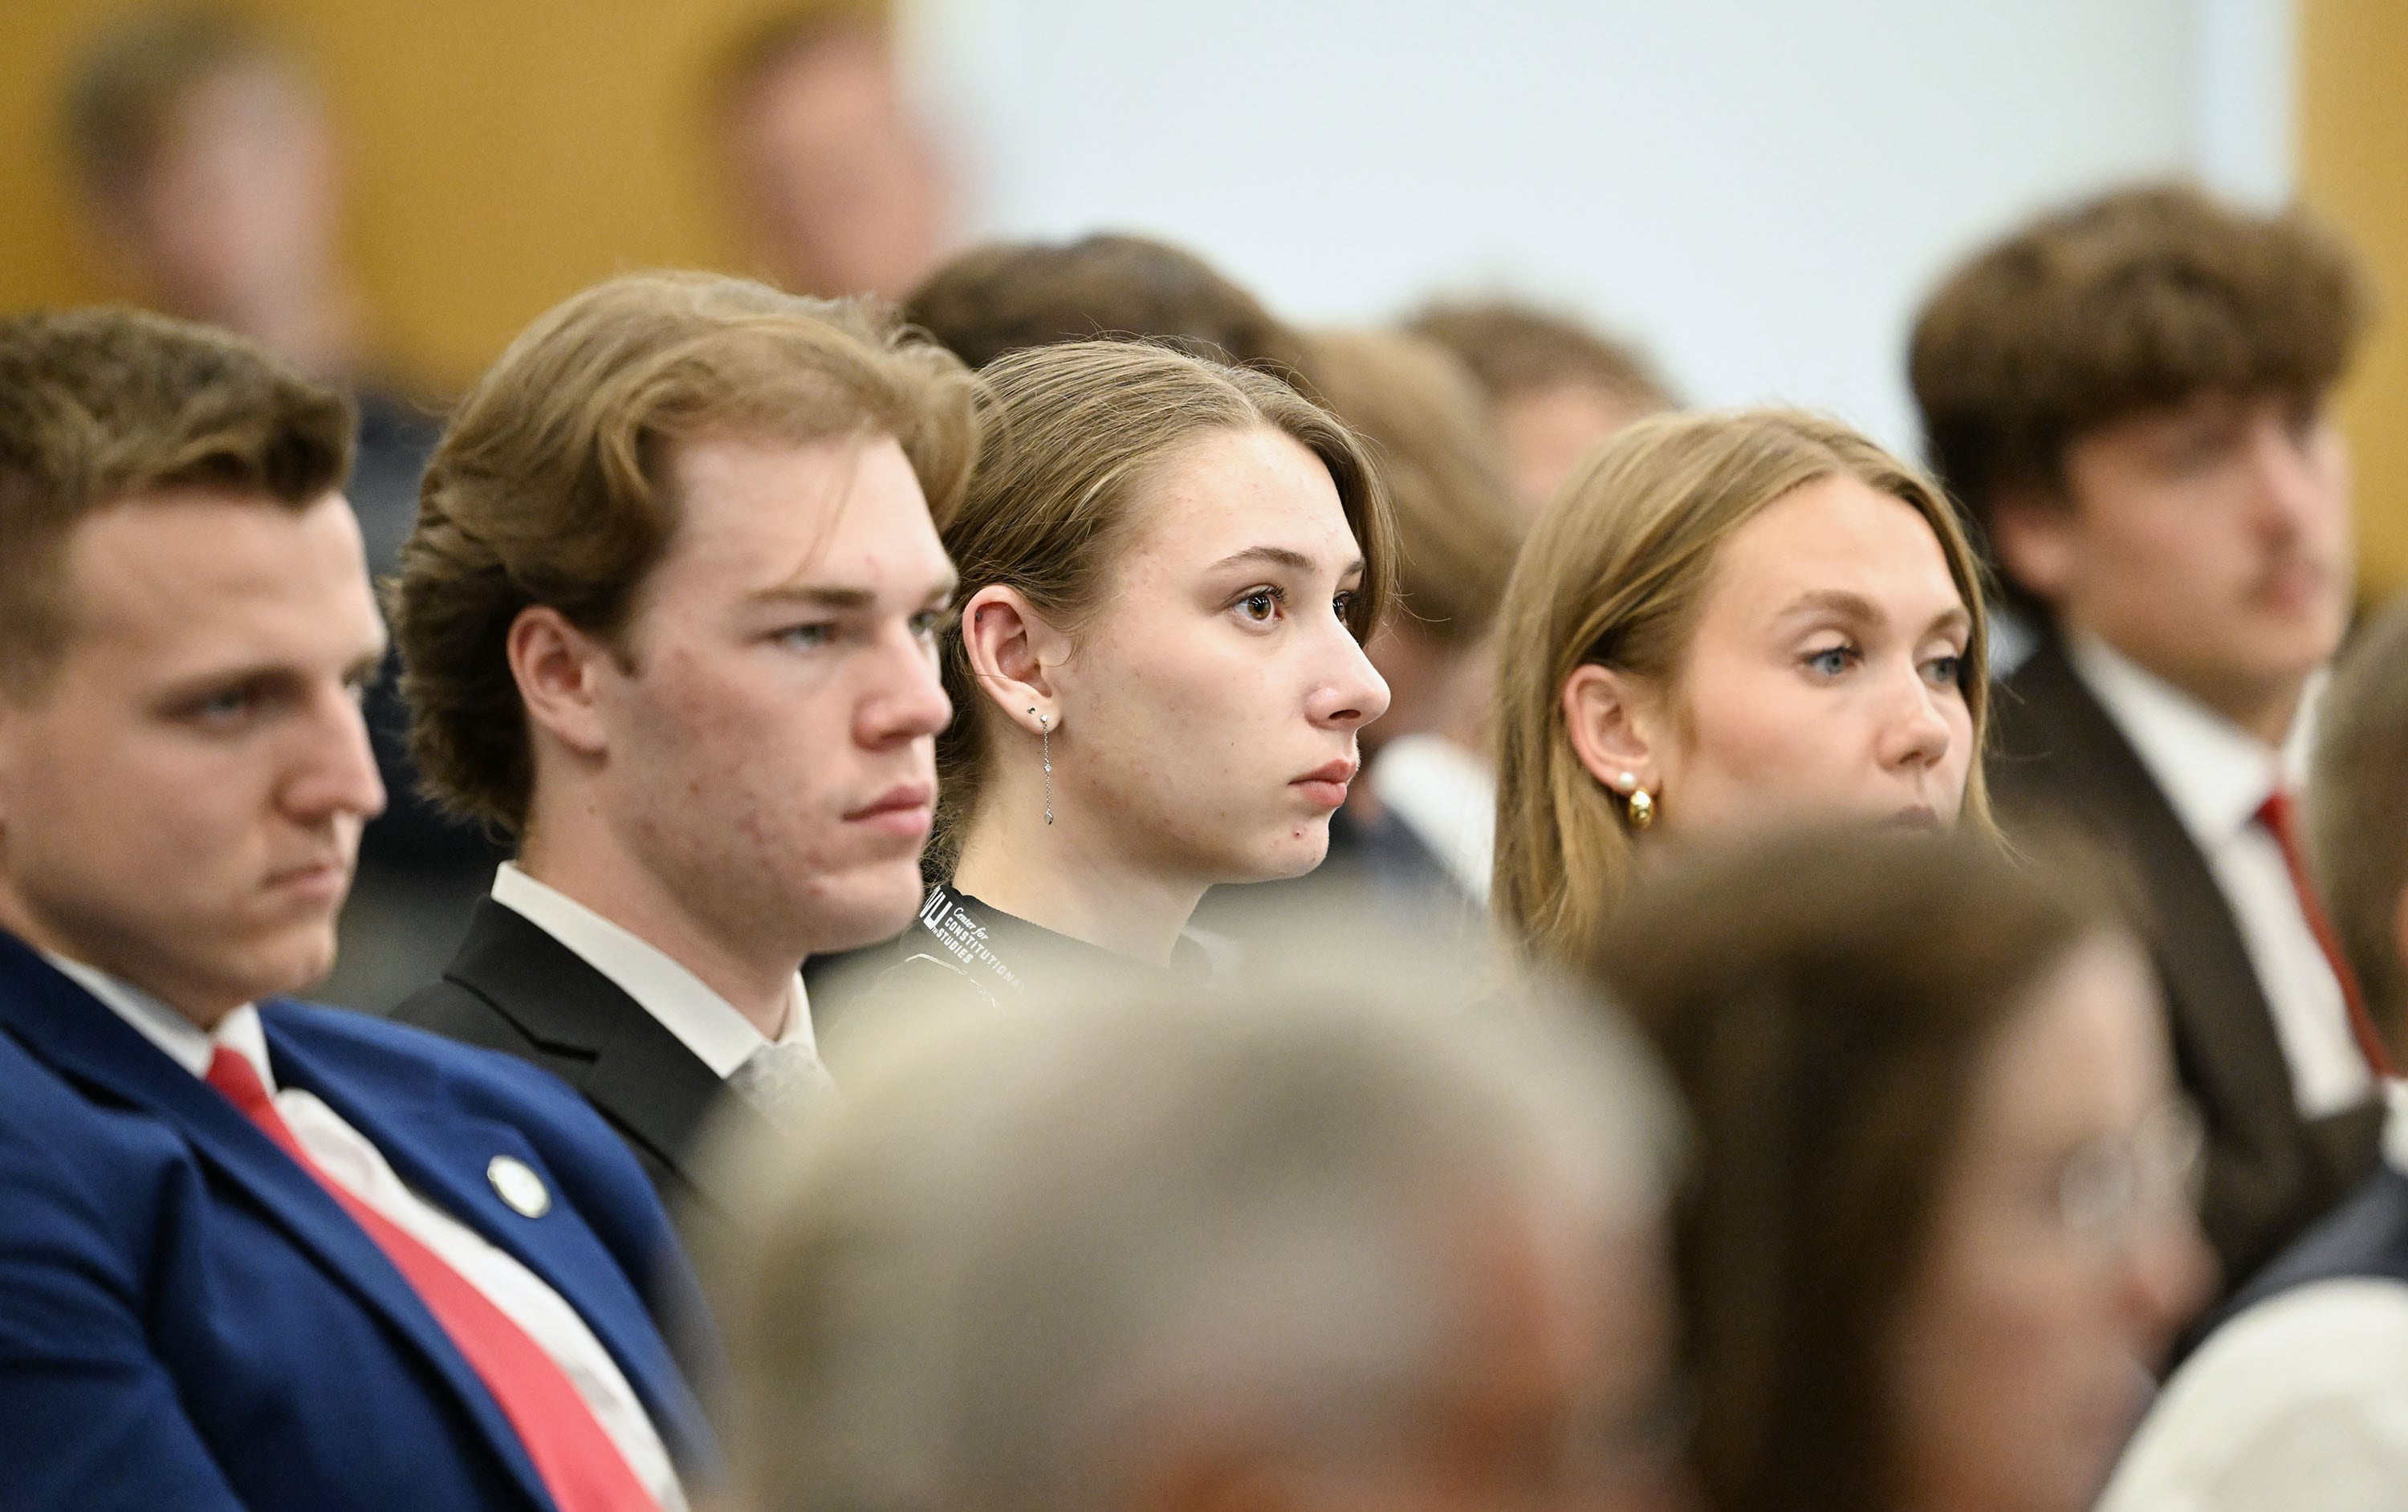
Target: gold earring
{"points": [[1643, 808]]}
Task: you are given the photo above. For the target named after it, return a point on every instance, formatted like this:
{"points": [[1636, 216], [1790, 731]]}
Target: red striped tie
{"points": [[580, 1465], [2275, 813]]}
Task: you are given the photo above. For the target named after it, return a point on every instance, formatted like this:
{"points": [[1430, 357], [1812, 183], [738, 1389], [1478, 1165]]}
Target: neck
{"points": [[2264, 708], [1071, 879], [586, 862], [308, 323]]}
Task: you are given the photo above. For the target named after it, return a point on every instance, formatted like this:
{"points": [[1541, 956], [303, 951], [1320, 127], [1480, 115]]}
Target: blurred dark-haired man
{"points": [[256, 1254], [2298, 1397], [1557, 387], [2129, 397]]}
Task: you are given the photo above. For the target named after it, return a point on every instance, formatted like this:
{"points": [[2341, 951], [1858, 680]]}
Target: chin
{"points": [[871, 909], [1290, 856]]}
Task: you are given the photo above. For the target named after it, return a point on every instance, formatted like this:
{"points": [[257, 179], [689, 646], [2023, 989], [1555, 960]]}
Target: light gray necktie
{"points": [[786, 1082]]}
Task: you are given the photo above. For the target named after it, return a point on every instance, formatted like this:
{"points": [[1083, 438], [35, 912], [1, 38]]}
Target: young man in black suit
{"points": [[669, 619], [2129, 398]]}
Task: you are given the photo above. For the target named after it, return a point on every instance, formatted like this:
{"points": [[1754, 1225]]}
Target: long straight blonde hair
{"points": [[1615, 573]]}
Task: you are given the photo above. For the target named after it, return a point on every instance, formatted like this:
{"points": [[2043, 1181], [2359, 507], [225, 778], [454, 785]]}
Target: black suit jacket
{"points": [[2061, 760], [514, 988]]}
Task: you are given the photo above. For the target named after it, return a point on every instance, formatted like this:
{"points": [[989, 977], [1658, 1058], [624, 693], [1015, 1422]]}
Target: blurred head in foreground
{"points": [[1005, 295], [1939, 1229], [1725, 622], [1303, 1247], [1559, 388], [836, 178]]}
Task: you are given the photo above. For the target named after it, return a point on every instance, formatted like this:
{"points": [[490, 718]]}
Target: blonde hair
{"points": [[1458, 526], [1075, 432], [552, 485], [1615, 573]]}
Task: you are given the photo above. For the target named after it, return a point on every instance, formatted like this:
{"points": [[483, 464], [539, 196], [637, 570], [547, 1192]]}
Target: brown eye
{"points": [[1261, 605]]}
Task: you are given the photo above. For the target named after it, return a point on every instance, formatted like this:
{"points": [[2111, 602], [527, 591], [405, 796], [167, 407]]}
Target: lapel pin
{"points": [[518, 1184]]}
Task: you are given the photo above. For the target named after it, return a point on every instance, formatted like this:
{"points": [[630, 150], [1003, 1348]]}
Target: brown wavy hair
{"points": [[1615, 574]]}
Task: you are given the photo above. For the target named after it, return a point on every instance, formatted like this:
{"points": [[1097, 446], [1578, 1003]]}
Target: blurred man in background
{"points": [[1559, 388], [212, 177], [1302, 1247], [2129, 399], [835, 180], [2300, 1398]]}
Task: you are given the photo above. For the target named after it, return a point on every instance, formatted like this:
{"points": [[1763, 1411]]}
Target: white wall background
{"points": [[1758, 190]]}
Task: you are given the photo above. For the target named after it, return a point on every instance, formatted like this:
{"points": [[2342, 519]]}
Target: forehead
{"points": [[179, 578], [1226, 490], [753, 514], [2086, 1046], [1838, 535]]}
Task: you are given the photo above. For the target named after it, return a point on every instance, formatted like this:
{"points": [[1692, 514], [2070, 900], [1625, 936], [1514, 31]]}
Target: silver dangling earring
{"points": [[1045, 746]]}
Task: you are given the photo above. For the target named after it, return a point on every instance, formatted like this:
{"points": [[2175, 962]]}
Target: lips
{"points": [[321, 879], [906, 808], [1325, 784]]}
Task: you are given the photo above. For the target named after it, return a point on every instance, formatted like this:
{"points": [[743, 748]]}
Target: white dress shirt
{"points": [[703, 1021], [1447, 797], [2297, 1405], [2217, 776], [346, 1156]]}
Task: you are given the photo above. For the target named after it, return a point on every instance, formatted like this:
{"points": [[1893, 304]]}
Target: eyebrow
{"points": [[831, 596], [1842, 604], [1280, 556]]}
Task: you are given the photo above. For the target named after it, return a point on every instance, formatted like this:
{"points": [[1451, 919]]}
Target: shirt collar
{"points": [[703, 1021], [181, 1040], [1447, 797], [2215, 774]]}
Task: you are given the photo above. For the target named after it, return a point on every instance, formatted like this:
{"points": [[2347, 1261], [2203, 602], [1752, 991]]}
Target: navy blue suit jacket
{"points": [[189, 1321]]}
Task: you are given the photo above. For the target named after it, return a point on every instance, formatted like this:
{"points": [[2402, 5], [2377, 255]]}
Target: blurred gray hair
{"points": [[1029, 1237]]}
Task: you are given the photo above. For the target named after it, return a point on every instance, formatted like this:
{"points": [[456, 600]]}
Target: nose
{"points": [[334, 771], [905, 699], [1348, 691], [1916, 732], [2169, 1274], [2295, 473]]}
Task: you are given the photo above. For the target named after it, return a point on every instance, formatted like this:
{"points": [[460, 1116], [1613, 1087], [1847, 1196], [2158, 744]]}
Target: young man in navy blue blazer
{"points": [[257, 1254]]}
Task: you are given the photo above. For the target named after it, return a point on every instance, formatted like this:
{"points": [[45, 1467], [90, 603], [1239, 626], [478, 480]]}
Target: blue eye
{"points": [[1832, 660], [1946, 671], [925, 624], [807, 636]]}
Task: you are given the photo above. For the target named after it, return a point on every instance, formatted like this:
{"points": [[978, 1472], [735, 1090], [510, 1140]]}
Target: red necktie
{"points": [[2277, 815], [580, 1465]]}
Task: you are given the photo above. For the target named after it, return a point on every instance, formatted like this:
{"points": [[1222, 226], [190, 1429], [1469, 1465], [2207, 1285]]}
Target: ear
{"points": [[2037, 540], [559, 668], [1012, 654], [1606, 714]]}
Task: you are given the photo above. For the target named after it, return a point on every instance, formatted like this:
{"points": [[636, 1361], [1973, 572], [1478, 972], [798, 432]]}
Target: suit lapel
{"points": [[653, 1090], [60, 1022], [445, 1156]]}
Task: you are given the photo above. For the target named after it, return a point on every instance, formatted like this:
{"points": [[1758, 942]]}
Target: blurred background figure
{"points": [[1423, 821], [1306, 1246], [2299, 1396], [834, 177], [212, 180], [1004, 296], [2130, 397], [1938, 1230], [1725, 623], [1557, 387]]}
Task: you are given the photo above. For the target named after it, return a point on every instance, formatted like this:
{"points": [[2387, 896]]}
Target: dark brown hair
{"points": [[1825, 1001], [2358, 811], [1077, 431], [2135, 301], [103, 404], [1003, 296], [1458, 527], [1515, 348], [550, 486]]}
